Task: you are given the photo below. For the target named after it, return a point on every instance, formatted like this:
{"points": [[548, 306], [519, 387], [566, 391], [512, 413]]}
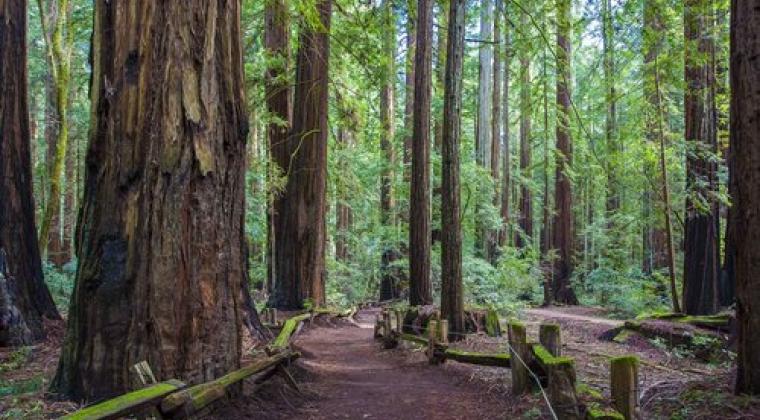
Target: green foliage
{"points": [[60, 282], [16, 360]]}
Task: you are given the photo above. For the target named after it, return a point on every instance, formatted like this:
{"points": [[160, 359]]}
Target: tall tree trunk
{"points": [[162, 253], [58, 47], [483, 129], [301, 269], [611, 134], [452, 299], [563, 239], [280, 109], [410, 77], [387, 104], [24, 297], [546, 224], [701, 251], [506, 189], [344, 216], [745, 144], [655, 254], [492, 236], [420, 285], [440, 68], [524, 238]]}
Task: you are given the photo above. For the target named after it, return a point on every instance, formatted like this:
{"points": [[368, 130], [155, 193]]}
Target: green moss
{"points": [[624, 361], [587, 390], [283, 338], [493, 328], [414, 339], [546, 359], [485, 359], [121, 405], [596, 412], [623, 336]]}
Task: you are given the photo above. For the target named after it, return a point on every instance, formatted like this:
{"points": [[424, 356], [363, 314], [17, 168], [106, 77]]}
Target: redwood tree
{"points": [[452, 299], [701, 250], [24, 297], [300, 248], [161, 245], [278, 97], [562, 227], [420, 286], [523, 238], [745, 144]]}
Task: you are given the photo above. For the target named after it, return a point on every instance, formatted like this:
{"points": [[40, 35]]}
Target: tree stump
{"points": [[549, 337], [624, 378], [518, 351]]}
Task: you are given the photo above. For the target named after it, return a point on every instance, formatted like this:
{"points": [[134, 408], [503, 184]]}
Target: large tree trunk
{"points": [[24, 297], [563, 235], [701, 252], [300, 248], [745, 144], [524, 238], [420, 285], [277, 87], [452, 297], [161, 242], [655, 256]]}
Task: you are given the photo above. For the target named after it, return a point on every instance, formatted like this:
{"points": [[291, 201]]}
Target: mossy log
{"points": [[131, 403], [720, 321], [282, 340], [483, 359], [189, 401], [704, 343], [414, 339], [595, 411]]}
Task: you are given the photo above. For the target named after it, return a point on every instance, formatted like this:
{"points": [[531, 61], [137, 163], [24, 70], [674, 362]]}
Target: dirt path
{"points": [[553, 312], [353, 378]]}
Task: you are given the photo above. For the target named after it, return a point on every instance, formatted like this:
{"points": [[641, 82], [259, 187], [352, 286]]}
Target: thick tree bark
{"points": [[452, 297], [300, 249], [280, 109], [701, 250], [161, 242], [563, 234], [524, 238], [440, 67], [745, 144], [420, 285], [655, 255], [24, 297]]}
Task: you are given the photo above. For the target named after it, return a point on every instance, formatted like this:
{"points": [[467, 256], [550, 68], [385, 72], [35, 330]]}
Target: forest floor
{"points": [[345, 374]]}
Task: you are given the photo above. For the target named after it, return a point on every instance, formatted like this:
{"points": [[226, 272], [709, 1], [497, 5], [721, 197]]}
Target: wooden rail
{"points": [[175, 400], [556, 373]]}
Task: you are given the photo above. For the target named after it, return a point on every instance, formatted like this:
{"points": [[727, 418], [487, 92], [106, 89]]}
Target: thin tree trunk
{"points": [[483, 129], [701, 252], [387, 104], [411, 42], [452, 297], [492, 236], [524, 238], [745, 144], [611, 134], [162, 266], [506, 191], [420, 285], [654, 236], [440, 69], [24, 297], [301, 269], [563, 238]]}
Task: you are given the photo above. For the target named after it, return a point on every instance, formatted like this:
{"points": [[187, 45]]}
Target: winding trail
{"points": [[551, 312], [353, 378]]}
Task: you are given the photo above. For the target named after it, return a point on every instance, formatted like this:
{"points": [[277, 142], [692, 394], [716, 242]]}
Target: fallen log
{"points": [[133, 402], [189, 401], [282, 340], [483, 359]]}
